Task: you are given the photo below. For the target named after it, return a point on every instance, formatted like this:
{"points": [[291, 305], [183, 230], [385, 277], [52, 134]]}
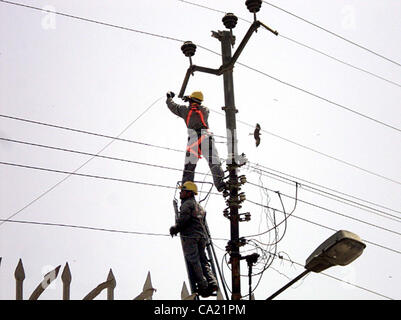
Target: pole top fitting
{"points": [[188, 48], [253, 5], [230, 21]]}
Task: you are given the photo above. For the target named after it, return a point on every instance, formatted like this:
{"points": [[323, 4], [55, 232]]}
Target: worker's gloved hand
{"points": [[170, 94], [173, 231], [185, 98]]}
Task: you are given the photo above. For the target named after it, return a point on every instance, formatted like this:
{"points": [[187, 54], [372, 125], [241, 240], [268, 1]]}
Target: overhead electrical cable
{"points": [[306, 185], [84, 163], [319, 225], [64, 225], [142, 163], [315, 151], [303, 181], [178, 150], [302, 44], [330, 210], [340, 61], [145, 184], [172, 168], [92, 21], [333, 33]]}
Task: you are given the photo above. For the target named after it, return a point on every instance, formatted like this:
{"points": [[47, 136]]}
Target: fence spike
{"points": [[184, 291], [110, 289], [109, 283], [185, 294], [47, 280], [19, 271], [219, 295], [19, 275], [147, 291], [66, 279]]}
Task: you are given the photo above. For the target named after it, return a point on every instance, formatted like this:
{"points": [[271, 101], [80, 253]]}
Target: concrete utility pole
{"points": [[235, 198], [227, 39]]}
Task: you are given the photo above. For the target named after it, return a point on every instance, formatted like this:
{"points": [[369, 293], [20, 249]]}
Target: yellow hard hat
{"points": [[189, 186], [198, 95]]}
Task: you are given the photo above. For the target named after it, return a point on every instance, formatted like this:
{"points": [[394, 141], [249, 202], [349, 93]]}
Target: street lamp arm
{"points": [[289, 284]]}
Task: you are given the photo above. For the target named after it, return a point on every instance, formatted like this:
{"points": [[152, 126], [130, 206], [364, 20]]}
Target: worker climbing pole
{"points": [[195, 238], [232, 187], [200, 139]]}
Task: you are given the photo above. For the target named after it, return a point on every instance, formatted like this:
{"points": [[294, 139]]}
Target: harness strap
{"points": [[197, 144], [194, 108]]}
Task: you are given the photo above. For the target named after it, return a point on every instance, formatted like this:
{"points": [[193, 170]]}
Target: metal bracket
{"points": [[228, 108]]}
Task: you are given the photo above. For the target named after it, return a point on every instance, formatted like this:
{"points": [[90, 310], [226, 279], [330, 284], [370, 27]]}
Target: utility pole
{"points": [[234, 182], [227, 40]]}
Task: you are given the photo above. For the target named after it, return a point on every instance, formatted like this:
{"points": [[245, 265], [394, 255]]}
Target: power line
{"points": [[329, 195], [344, 107], [177, 150], [176, 169], [330, 210], [93, 21], [63, 225], [86, 162], [153, 185], [244, 65], [88, 132], [322, 226], [340, 61], [316, 151], [172, 168], [302, 44], [333, 33], [299, 180], [87, 175]]}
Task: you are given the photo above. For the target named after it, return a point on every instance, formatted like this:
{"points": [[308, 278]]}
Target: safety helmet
{"points": [[189, 186], [197, 95]]}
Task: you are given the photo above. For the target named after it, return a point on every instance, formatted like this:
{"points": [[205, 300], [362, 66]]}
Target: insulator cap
{"points": [[230, 21], [253, 5], [188, 49]]}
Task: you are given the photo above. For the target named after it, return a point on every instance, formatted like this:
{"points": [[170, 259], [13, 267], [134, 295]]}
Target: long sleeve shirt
{"points": [[191, 221], [195, 121]]}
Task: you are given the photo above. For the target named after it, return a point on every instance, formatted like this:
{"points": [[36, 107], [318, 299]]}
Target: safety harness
{"points": [[194, 108], [190, 148]]}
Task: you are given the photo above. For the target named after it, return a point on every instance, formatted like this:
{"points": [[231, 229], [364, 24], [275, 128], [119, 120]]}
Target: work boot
{"points": [[212, 287], [203, 289]]}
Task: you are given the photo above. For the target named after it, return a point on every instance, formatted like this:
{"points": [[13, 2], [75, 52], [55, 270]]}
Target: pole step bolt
{"points": [[253, 5], [230, 21], [188, 49]]}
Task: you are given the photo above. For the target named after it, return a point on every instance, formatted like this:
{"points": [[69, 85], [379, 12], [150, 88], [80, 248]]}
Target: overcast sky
{"points": [[341, 131]]}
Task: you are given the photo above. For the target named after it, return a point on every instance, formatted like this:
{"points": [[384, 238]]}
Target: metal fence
{"points": [[109, 285]]}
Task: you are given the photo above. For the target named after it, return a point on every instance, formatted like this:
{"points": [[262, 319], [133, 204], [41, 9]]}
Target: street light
{"points": [[341, 248]]}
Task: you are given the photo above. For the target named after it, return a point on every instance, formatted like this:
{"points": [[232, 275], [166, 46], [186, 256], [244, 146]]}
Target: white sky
{"points": [[82, 75]]}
